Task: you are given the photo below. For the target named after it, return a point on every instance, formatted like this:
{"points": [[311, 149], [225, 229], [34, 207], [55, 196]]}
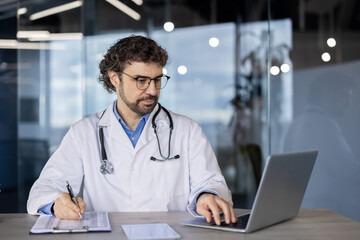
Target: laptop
{"points": [[281, 191]]}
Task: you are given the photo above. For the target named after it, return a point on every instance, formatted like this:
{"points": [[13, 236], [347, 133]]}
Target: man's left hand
{"points": [[209, 205]]}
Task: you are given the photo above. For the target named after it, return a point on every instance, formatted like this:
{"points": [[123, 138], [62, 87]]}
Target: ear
{"points": [[114, 78]]}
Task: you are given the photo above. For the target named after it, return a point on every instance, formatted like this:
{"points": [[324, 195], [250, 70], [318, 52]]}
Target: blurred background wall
{"points": [[260, 76]]}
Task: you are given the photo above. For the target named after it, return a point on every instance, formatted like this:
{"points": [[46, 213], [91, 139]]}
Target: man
{"points": [[141, 177]]}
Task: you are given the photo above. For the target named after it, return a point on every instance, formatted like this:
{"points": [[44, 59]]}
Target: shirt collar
{"points": [[121, 121]]}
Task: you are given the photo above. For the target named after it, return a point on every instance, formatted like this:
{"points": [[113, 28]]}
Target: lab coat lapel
{"points": [[114, 129]]}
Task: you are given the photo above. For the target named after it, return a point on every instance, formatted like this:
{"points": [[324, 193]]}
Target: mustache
{"points": [[150, 97]]}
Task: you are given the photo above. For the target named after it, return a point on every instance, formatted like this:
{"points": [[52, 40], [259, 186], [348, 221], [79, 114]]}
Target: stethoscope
{"points": [[108, 167]]}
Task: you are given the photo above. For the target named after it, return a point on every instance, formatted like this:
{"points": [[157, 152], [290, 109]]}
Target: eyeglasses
{"points": [[143, 82]]}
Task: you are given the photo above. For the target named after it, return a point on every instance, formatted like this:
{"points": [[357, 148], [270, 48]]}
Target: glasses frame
{"points": [[149, 82]]}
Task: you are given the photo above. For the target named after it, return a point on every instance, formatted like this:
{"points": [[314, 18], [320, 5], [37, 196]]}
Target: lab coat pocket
{"points": [[172, 180]]}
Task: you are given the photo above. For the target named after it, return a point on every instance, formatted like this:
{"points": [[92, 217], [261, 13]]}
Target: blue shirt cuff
{"points": [[46, 209]]}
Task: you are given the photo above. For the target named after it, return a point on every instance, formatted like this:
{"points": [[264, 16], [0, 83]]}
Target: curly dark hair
{"points": [[126, 50]]}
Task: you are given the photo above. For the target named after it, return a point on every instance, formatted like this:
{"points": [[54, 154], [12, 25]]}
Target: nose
{"points": [[151, 90]]}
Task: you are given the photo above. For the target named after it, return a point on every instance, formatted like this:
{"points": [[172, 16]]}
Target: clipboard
{"points": [[73, 230], [92, 222]]}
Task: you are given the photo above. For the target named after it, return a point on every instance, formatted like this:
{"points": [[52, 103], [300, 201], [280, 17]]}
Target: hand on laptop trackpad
{"points": [[241, 222], [222, 219]]}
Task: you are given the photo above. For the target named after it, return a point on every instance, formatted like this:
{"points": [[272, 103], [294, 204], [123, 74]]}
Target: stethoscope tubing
{"points": [[107, 167]]}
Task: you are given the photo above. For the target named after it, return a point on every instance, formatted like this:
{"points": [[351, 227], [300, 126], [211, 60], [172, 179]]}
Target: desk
{"points": [[309, 224]]}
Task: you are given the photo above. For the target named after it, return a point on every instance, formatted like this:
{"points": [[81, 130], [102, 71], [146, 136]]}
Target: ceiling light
{"points": [[169, 26], [8, 43], [14, 44], [182, 70], [22, 11], [35, 46], [164, 71], [274, 70], [331, 42], [285, 67], [55, 10], [138, 2], [47, 36], [32, 34], [325, 57], [58, 36], [125, 9], [214, 42]]}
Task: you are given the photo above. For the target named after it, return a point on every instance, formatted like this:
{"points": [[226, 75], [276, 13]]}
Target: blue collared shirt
{"points": [[133, 135]]}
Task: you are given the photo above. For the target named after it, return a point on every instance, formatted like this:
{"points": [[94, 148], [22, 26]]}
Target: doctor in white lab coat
{"points": [[133, 68]]}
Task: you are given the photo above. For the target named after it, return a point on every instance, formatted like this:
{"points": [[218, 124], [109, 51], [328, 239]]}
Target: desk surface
{"points": [[309, 224]]}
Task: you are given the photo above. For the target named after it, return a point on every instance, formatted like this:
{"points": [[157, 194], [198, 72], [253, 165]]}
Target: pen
{"points": [[73, 198]]}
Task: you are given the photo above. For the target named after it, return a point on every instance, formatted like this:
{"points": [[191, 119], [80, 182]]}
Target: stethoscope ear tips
{"points": [[177, 156], [152, 158]]}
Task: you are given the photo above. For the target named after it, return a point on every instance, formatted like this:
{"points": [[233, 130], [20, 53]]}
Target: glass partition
{"points": [[50, 86], [315, 104], [8, 109]]}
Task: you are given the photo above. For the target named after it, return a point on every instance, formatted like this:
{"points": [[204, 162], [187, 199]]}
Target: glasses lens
{"points": [[163, 82], [142, 83]]}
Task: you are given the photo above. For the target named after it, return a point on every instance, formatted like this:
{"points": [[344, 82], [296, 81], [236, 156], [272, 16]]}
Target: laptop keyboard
{"points": [[241, 222]]}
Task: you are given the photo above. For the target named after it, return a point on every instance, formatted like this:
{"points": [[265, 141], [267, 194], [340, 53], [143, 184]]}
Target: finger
{"points": [[228, 210], [215, 212], [225, 207], [204, 212], [232, 214], [70, 204], [82, 204], [203, 206]]}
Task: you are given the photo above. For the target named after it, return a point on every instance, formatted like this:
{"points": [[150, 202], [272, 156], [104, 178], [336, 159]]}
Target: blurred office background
{"points": [[260, 76]]}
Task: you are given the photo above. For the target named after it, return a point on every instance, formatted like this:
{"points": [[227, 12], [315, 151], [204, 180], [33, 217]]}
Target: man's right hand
{"points": [[64, 208]]}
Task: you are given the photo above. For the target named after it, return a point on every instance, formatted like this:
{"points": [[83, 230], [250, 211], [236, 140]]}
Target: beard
{"points": [[135, 107]]}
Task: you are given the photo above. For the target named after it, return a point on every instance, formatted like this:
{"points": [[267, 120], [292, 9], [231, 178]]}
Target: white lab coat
{"points": [[137, 184]]}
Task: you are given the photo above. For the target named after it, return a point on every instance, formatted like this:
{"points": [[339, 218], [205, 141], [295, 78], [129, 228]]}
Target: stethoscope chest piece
{"points": [[106, 167]]}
